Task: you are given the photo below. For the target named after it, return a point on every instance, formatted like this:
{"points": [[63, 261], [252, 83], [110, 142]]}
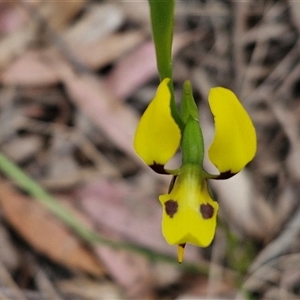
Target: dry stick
{"points": [[266, 89], [8, 288], [78, 138], [270, 274], [260, 51], [281, 244], [64, 49], [44, 283]]}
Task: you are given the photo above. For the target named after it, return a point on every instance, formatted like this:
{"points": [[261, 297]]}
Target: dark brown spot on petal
{"points": [[171, 207], [225, 175], [206, 210], [158, 168], [172, 183]]}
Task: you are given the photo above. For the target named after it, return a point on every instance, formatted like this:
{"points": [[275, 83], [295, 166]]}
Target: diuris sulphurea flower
{"points": [[189, 212]]}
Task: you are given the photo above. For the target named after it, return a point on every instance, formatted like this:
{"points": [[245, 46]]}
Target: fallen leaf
{"points": [[91, 42], [85, 288], [98, 20], [58, 14], [30, 146], [131, 271], [139, 66], [33, 67], [12, 17], [117, 120], [15, 44], [46, 233], [33, 14], [132, 71]]}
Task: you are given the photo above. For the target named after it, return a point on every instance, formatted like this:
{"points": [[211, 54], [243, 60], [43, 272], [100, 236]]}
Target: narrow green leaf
{"points": [[162, 19]]}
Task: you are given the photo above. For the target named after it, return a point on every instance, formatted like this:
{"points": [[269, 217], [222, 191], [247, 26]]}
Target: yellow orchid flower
{"points": [[189, 212]]}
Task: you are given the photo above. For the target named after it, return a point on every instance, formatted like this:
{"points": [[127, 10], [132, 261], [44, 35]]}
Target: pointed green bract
{"points": [[192, 145], [234, 144], [188, 105], [158, 136], [192, 140]]}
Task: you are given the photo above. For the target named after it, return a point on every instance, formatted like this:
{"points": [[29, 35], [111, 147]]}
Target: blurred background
{"points": [[75, 77]]}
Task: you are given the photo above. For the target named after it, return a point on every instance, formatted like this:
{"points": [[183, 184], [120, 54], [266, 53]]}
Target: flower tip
{"points": [[180, 250]]}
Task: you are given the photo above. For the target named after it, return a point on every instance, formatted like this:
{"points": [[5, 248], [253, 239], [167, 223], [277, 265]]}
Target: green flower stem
{"points": [[162, 21], [25, 182]]}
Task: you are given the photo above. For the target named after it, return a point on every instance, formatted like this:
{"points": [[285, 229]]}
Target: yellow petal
{"points": [[234, 144], [157, 136], [189, 213]]}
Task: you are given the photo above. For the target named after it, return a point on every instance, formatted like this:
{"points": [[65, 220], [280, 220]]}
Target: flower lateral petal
{"points": [[234, 143], [158, 136]]}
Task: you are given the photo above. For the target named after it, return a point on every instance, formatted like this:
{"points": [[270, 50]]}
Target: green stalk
{"points": [[162, 22]]}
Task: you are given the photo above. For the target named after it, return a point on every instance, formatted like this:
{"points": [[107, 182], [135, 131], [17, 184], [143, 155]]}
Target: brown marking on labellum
{"points": [[171, 207], [158, 168], [172, 183], [225, 175], [206, 210]]}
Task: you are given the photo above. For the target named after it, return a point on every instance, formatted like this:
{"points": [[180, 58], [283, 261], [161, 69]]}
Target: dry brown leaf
{"points": [[98, 21], [248, 211], [32, 68], [59, 13], [9, 255], [33, 14], [101, 106], [106, 50], [15, 44], [84, 288], [131, 271], [90, 42], [44, 232], [137, 12], [133, 70], [30, 146], [136, 68], [295, 12], [12, 17], [8, 285]]}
